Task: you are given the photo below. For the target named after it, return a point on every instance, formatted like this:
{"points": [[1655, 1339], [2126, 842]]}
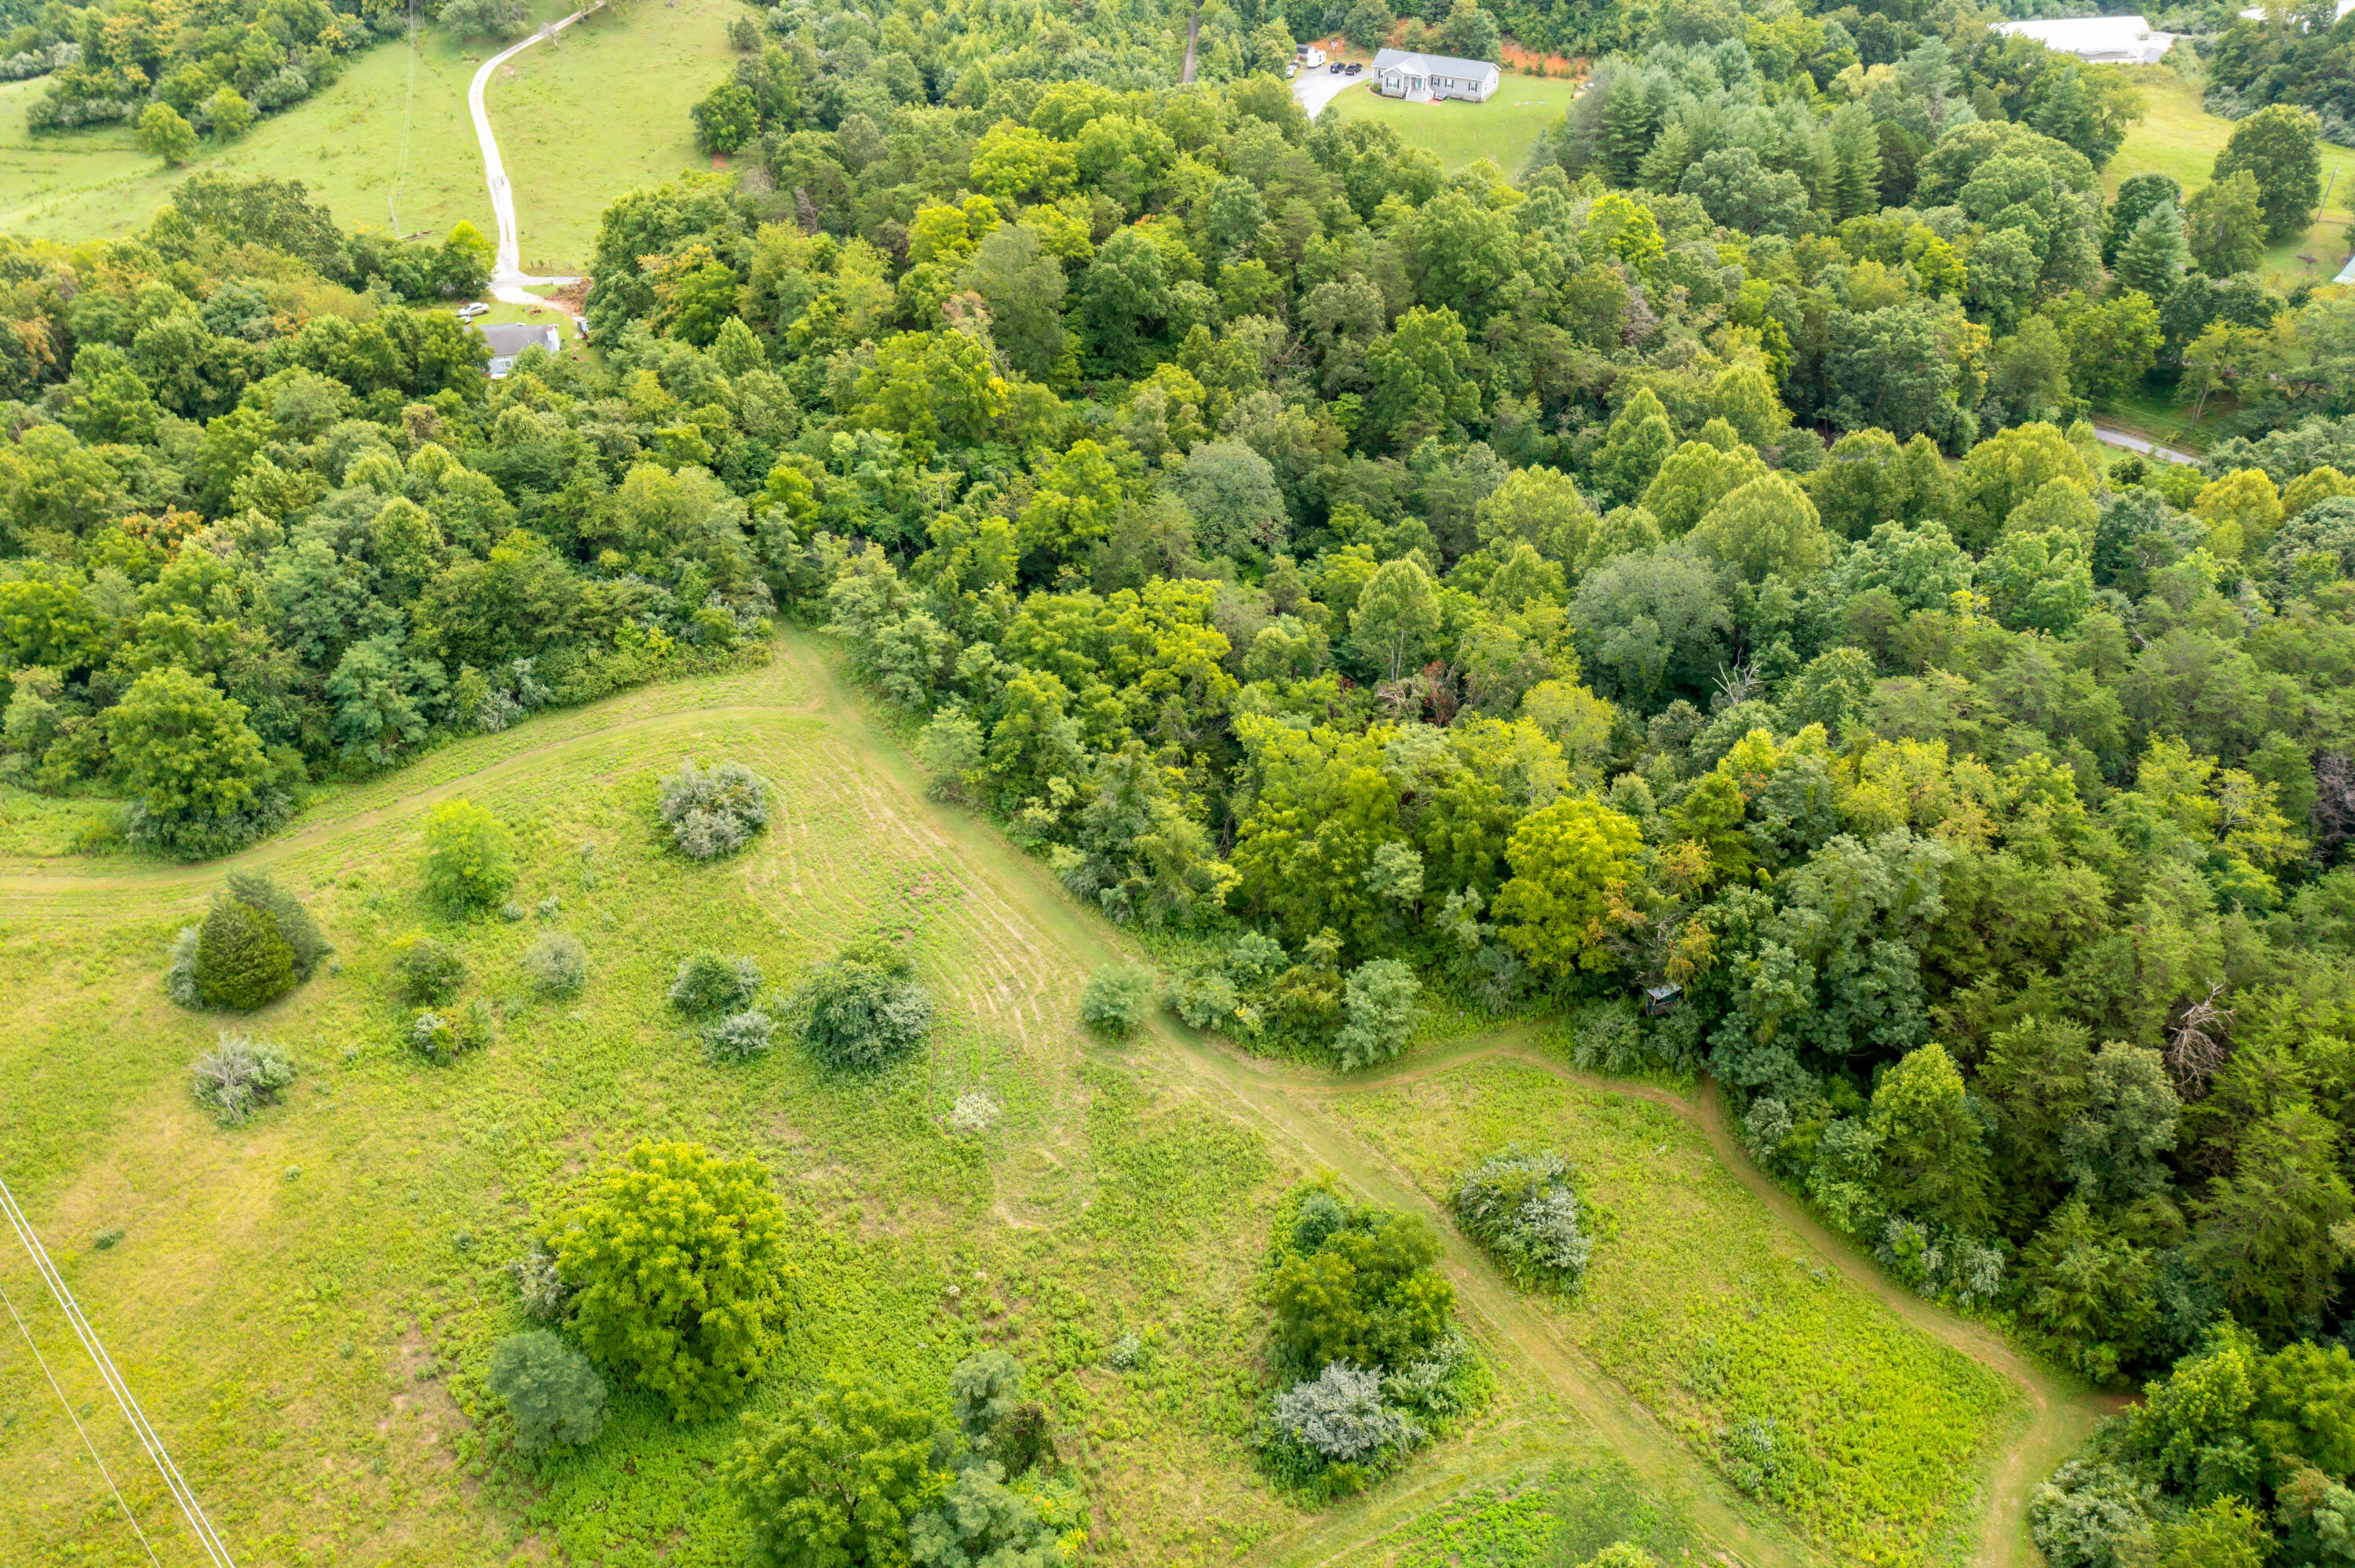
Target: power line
{"points": [[74, 1416], [182, 1493]]}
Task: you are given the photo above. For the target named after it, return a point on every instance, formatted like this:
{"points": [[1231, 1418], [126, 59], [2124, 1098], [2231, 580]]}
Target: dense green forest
{"points": [[1673, 585]]}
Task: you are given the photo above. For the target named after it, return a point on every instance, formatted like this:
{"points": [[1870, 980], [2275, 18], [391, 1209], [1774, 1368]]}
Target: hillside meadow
{"points": [[306, 1304]]}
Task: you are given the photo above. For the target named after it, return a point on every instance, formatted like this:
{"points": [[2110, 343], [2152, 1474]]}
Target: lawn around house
{"points": [[2178, 137], [1504, 129], [578, 125], [306, 1304]]}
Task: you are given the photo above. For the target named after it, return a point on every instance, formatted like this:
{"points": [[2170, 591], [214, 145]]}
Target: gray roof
{"points": [[1432, 65], [514, 337]]}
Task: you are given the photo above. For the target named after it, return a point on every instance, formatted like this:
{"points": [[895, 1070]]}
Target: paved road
{"points": [[1317, 87], [2111, 437], [508, 279]]}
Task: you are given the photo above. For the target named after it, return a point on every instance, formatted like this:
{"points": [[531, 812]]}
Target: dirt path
{"points": [[508, 279], [1193, 33], [1290, 1103]]}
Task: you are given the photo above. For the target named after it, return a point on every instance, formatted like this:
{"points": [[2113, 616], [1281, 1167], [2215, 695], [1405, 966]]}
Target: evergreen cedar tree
{"points": [[1679, 562]]}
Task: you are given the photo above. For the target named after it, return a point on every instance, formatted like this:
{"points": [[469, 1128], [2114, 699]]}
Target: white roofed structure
{"points": [[2098, 41]]}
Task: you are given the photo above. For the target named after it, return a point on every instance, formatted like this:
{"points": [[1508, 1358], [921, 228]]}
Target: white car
{"points": [[468, 312]]}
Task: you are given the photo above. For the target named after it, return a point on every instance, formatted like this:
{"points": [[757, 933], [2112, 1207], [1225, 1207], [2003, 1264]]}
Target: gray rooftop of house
{"points": [[514, 337], [1431, 65]]}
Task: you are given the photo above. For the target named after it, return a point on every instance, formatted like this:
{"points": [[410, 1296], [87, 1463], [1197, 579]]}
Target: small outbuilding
{"points": [[510, 339], [2097, 40], [1427, 79]]}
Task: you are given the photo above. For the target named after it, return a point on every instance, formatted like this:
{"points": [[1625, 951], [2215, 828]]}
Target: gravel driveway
{"points": [[1317, 87]]}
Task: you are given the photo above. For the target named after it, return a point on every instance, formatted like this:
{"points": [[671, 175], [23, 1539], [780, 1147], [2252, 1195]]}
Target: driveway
{"points": [[509, 281], [2133, 443], [1314, 88]]}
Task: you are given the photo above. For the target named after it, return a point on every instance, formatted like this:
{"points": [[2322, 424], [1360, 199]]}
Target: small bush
{"points": [[1523, 1209], [242, 960], [974, 1113], [864, 1010], [542, 1288], [558, 964], [428, 971], [551, 908], [512, 912], [442, 1039], [180, 969], [295, 927], [554, 1394], [1127, 1351], [469, 857], [712, 814], [240, 1075], [739, 1036], [1340, 1414], [1115, 1000], [710, 983]]}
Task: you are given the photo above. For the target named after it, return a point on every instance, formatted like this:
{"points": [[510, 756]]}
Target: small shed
{"points": [[510, 339], [1661, 1000], [1427, 79], [2097, 40]]}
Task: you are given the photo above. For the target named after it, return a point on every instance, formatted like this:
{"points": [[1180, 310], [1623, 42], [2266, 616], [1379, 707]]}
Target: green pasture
{"points": [[1717, 1319], [1504, 129], [601, 113], [306, 1304]]}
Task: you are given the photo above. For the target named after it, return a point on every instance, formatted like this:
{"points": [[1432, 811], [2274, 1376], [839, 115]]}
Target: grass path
{"points": [[1294, 1106]]}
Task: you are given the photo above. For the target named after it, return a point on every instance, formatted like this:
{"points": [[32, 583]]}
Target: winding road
{"points": [[508, 279]]}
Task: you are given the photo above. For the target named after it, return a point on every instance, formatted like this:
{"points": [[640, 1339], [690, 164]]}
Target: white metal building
{"points": [[2098, 41], [1423, 78]]}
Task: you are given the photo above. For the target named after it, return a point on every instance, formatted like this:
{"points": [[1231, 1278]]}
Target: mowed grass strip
{"points": [[1504, 129], [1713, 1316], [306, 1304]]}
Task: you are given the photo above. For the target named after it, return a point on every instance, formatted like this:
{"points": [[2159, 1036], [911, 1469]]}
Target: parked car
{"points": [[1356, 68], [1290, 71], [1336, 68], [468, 312]]}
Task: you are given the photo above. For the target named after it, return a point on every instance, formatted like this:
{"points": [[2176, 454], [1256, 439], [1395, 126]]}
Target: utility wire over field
{"points": [[216, 1551]]}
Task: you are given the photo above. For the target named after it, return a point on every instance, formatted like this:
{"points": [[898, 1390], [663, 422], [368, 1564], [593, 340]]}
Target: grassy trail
{"points": [[1294, 1106]]}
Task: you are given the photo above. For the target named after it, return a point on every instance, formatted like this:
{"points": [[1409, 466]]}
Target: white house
{"points": [[1425, 79], [510, 339], [2098, 41]]}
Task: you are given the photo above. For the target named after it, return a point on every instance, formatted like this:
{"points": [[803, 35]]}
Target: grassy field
{"points": [[1720, 1322], [306, 1304], [1503, 129], [604, 111], [2178, 137]]}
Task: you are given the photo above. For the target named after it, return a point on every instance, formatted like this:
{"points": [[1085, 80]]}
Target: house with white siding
{"points": [[1426, 79]]}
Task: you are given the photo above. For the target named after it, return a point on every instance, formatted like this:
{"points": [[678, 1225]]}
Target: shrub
{"points": [[709, 982], [1380, 1001], [2081, 1516], [240, 1075], [180, 969], [543, 1290], [974, 1112], [985, 1393], [739, 1036], [1340, 1414], [712, 814], [1524, 1210], [242, 960], [558, 964], [442, 1040], [678, 1257], [1431, 1383], [295, 928], [1115, 1000], [554, 1394], [1367, 1294], [1127, 1351], [512, 912], [863, 1010], [469, 857], [428, 971]]}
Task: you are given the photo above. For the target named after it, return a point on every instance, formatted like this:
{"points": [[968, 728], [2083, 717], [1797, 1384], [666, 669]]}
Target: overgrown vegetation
{"points": [[712, 814], [1523, 1207], [862, 1010], [240, 1075]]}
